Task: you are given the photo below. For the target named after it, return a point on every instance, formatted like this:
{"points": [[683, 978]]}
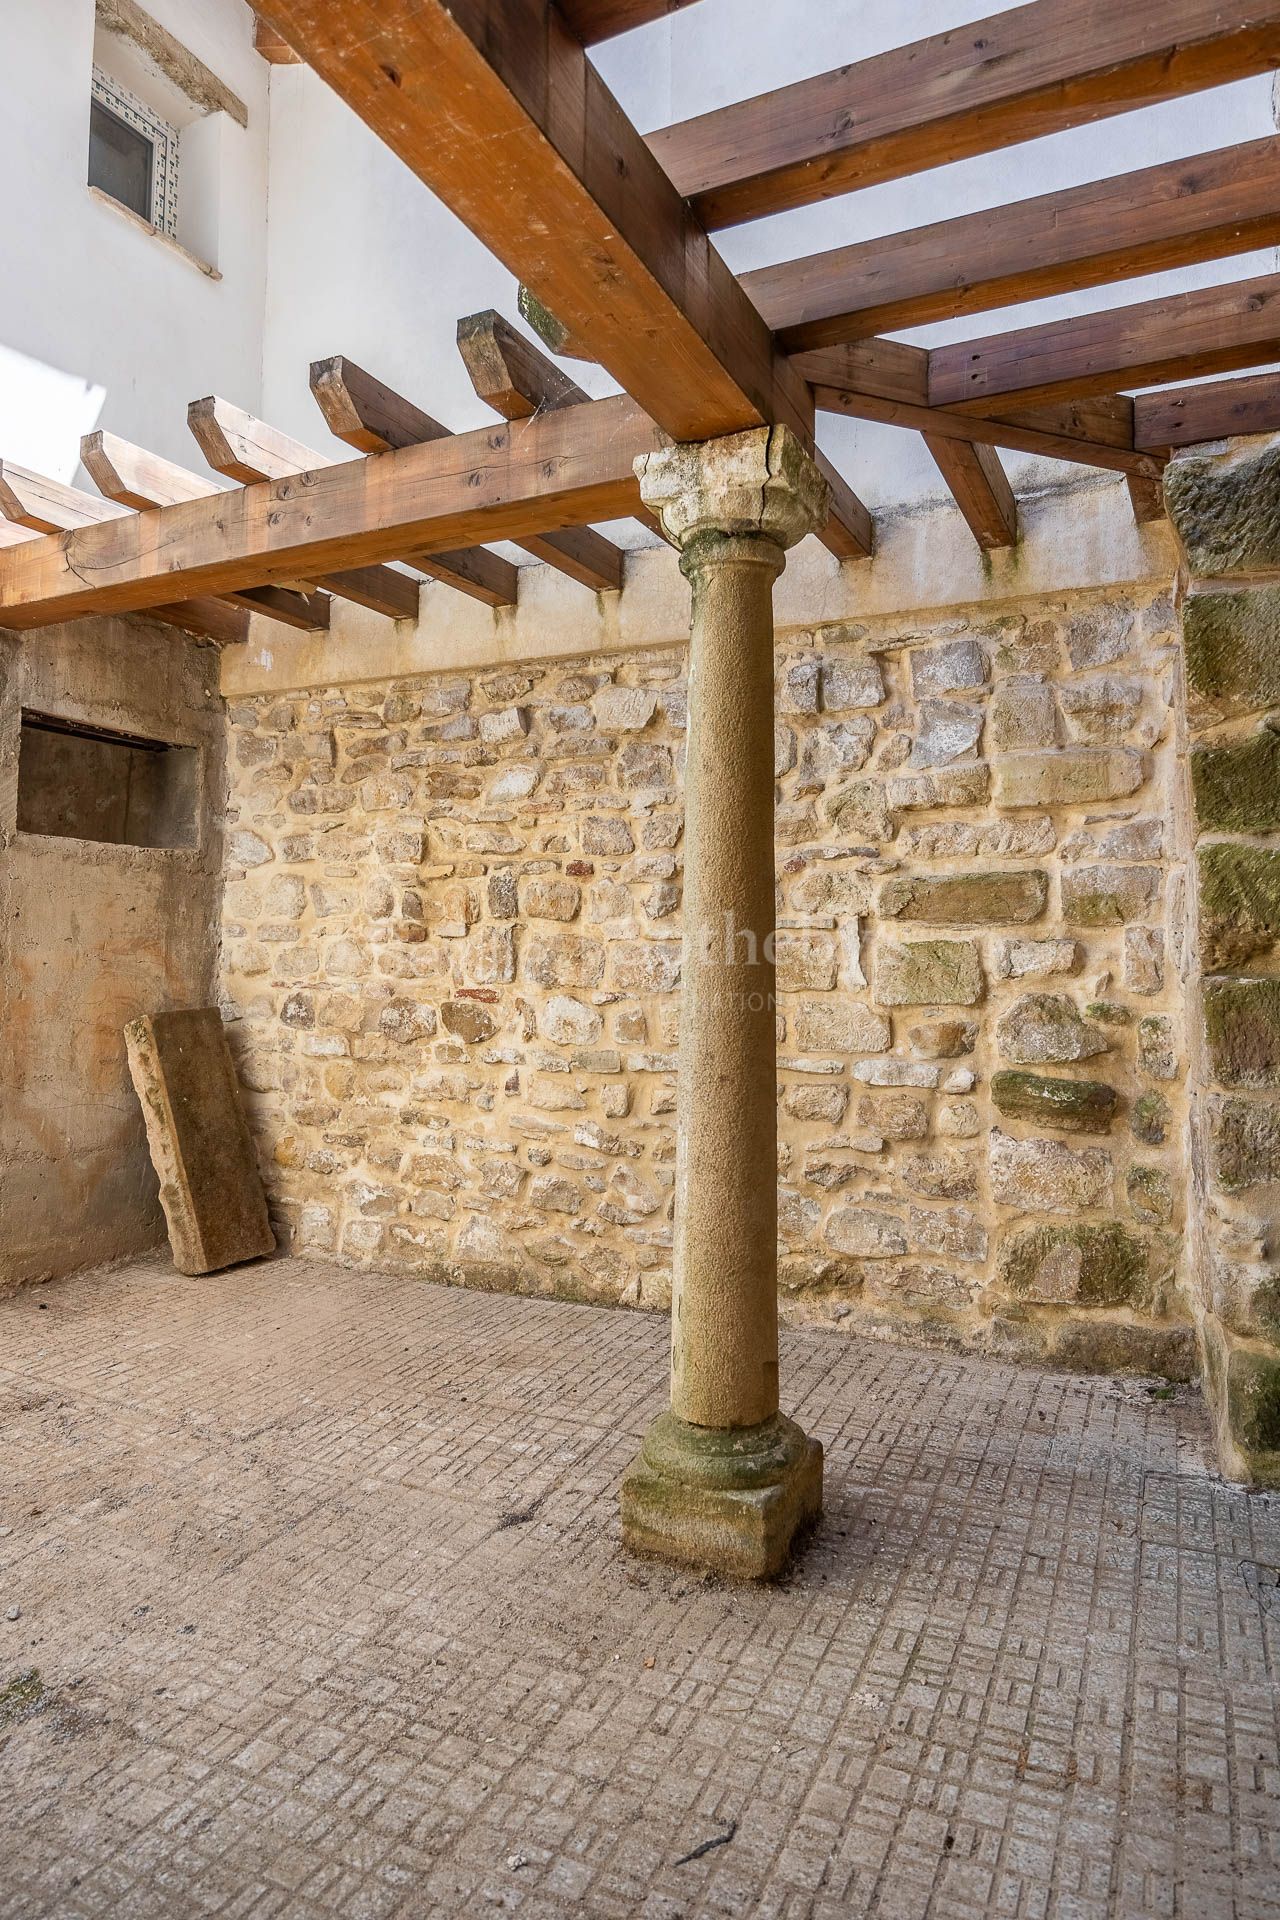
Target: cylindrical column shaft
{"points": [[724, 1344]]}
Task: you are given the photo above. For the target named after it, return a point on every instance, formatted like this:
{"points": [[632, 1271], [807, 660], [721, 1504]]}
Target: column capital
{"points": [[761, 483]]}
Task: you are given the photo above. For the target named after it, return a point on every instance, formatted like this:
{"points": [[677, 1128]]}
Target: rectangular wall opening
{"points": [[83, 783]]}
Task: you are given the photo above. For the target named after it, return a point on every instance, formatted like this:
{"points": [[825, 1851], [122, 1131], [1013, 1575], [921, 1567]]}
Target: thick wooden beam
{"points": [[132, 477], [1147, 222], [1211, 330], [247, 449], [1186, 416], [273, 47], [595, 20], [849, 532], [888, 381], [980, 489], [383, 418], [502, 482], [510, 373], [498, 110], [973, 89]]}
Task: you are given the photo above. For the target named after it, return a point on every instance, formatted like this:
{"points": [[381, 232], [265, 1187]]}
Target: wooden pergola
{"points": [[495, 105]]}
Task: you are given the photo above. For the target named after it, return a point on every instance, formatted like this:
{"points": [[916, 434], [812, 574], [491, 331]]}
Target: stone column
{"points": [[724, 1479]]}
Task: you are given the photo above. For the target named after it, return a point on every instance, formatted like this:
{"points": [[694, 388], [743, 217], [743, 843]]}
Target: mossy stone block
{"points": [[967, 899], [1246, 1143], [1242, 1031], [1107, 1345], [1226, 509], [1239, 904], [1071, 1106], [1231, 645], [1253, 1401], [1095, 1266], [1237, 787], [1149, 1119]]}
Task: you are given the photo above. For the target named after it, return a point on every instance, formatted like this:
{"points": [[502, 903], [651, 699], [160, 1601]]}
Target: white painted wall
{"points": [[103, 324]]}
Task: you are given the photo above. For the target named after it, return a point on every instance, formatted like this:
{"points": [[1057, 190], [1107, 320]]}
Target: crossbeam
{"points": [[498, 110], [1150, 221], [595, 20], [1020, 75], [497, 483], [1182, 336], [1214, 410], [980, 488]]}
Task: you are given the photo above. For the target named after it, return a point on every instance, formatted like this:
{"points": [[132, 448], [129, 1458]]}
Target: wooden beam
{"points": [[247, 449], [1187, 416], [595, 20], [849, 532], [887, 380], [273, 47], [1147, 222], [980, 489], [502, 482], [1147, 498], [1212, 330], [1019, 75], [498, 110], [294, 607], [132, 477], [381, 418]]}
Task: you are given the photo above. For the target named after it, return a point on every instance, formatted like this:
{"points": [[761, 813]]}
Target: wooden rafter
{"points": [[1186, 416], [1147, 222], [980, 488], [594, 20], [1019, 75], [497, 108], [273, 47], [1211, 330], [498, 483], [383, 419]]}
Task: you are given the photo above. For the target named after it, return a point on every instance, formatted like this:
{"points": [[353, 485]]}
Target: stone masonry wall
{"points": [[452, 954], [1225, 510]]}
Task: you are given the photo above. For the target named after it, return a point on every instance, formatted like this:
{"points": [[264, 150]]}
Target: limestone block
{"points": [[569, 1023], [1144, 959], [1101, 709], [1035, 959], [1121, 1346], [897, 1116], [948, 730], [547, 897], [954, 1232], [940, 1176], [1236, 788], [884, 1072], [1253, 1409], [639, 966], [943, 1039], [1231, 647], [1072, 1106], [1150, 1194], [1109, 896], [945, 787], [509, 723], [1149, 1119], [929, 973], [1098, 635], [1242, 1032], [467, 1020], [1239, 904], [201, 1148], [851, 683], [840, 1026], [606, 834], [967, 899], [1095, 1266], [955, 667], [860, 810], [1044, 1176], [1067, 777], [1024, 713], [806, 962], [407, 1020], [564, 960], [1245, 1139], [1224, 508], [867, 1235], [624, 709], [1047, 1028], [1158, 1046]]}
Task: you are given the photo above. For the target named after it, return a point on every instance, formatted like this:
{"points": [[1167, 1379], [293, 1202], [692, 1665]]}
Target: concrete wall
{"points": [[92, 935]]}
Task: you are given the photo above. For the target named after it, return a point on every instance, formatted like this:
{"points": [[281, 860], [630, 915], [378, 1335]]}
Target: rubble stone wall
{"points": [[1224, 508], [452, 955]]}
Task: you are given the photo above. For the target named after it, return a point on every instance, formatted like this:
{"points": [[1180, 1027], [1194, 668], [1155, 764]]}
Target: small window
{"points": [[133, 154], [81, 783]]}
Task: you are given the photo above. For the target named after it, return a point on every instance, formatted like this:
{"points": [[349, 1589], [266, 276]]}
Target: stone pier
{"points": [[724, 1479]]}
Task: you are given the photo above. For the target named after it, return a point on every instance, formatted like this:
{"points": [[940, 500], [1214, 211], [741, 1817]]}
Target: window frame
{"points": [[163, 140]]}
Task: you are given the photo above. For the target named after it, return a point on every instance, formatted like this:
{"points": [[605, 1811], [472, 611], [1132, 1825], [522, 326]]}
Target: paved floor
{"points": [[322, 1612]]}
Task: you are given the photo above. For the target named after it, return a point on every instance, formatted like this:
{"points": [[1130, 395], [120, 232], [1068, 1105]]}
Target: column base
{"points": [[735, 1499]]}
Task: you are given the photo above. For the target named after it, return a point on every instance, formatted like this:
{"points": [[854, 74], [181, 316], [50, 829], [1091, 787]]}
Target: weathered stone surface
{"points": [[1046, 1028], [868, 1235], [1043, 1176], [564, 960], [841, 1026], [967, 899], [1158, 1046], [1024, 713], [1072, 1106], [896, 1116], [1231, 644], [1107, 1345], [1149, 1119], [624, 709], [1094, 1266], [545, 896], [201, 1147], [1109, 896], [1239, 904], [1150, 1195], [1226, 508], [946, 787], [1035, 959], [1067, 777], [509, 723], [929, 973], [1253, 1406], [948, 730], [954, 667], [850, 683], [1101, 709], [1245, 1138], [1236, 787], [943, 1039], [1098, 635], [1242, 1032], [1144, 959], [884, 1072]]}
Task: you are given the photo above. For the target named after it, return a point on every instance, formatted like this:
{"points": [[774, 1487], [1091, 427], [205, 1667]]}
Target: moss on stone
{"points": [[1150, 1194], [1109, 1013], [1239, 904], [1231, 644], [967, 899], [22, 1697], [1242, 1031], [1227, 510], [1123, 1346], [1149, 1119], [1072, 1106], [1237, 787], [1253, 1400], [1246, 1143], [929, 973], [1083, 1265]]}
